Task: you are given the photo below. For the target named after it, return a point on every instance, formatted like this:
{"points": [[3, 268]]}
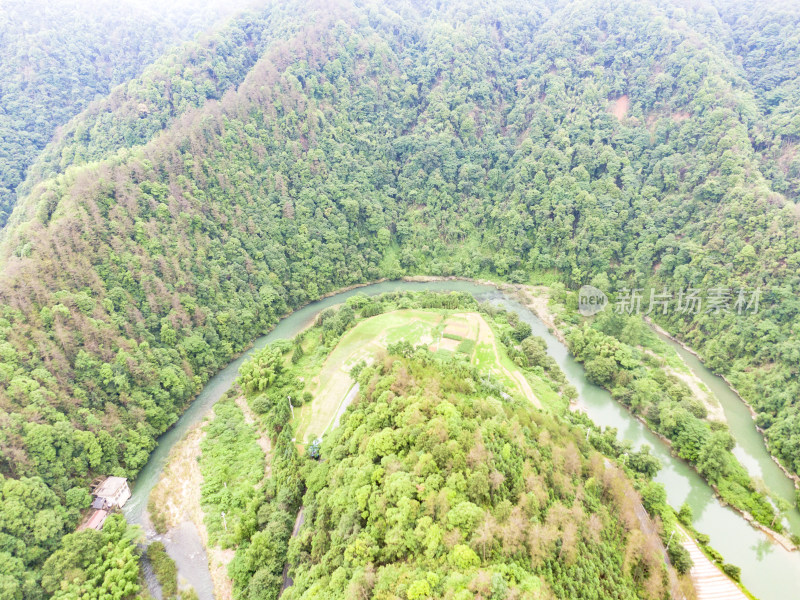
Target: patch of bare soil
{"points": [[448, 344], [680, 116], [458, 328], [619, 107]]}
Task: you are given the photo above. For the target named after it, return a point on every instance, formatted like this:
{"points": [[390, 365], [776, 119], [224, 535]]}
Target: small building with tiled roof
{"points": [[95, 520]]}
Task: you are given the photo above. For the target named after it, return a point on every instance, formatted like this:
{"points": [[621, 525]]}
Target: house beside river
{"points": [[112, 493]]}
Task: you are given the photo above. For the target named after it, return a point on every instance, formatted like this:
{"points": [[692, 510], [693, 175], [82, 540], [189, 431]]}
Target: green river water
{"points": [[768, 570]]}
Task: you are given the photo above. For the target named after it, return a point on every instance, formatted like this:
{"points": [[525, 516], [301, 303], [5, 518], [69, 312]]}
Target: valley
{"points": [[502, 298]]}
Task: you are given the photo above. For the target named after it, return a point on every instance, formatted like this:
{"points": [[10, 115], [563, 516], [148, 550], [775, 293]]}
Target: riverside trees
{"points": [[611, 140]]}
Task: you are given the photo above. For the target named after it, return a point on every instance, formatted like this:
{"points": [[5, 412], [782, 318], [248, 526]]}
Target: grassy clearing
{"points": [[362, 342], [466, 347], [545, 393], [465, 333], [490, 355]]}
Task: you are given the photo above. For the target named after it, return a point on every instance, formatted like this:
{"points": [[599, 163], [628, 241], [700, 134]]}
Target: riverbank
{"points": [[656, 327], [176, 499], [536, 299]]}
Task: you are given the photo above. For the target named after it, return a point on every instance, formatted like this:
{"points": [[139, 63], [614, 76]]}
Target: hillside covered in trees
{"points": [[441, 480], [431, 489], [624, 144], [57, 57]]}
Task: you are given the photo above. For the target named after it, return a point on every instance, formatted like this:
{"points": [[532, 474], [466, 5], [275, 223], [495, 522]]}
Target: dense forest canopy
{"points": [[624, 144], [56, 57], [768, 44], [431, 489]]}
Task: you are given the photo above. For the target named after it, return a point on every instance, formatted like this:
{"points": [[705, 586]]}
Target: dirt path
{"points": [[525, 387], [351, 395]]}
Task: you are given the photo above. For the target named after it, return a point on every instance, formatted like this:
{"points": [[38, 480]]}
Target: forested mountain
{"points": [[56, 57], [617, 143], [182, 80], [429, 489], [766, 41]]}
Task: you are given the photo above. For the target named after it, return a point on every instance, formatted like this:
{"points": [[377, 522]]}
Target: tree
{"points": [[463, 557], [95, 564], [680, 558], [484, 534], [601, 369], [261, 370], [713, 460], [644, 462], [732, 571], [535, 349], [685, 514], [521, 331]]}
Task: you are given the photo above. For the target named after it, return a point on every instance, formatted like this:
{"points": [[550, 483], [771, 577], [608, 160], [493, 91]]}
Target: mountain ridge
{"points": [[379, 141]]}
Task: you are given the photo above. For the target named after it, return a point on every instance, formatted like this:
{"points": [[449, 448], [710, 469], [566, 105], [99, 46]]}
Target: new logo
{"points": [[591, 300]]}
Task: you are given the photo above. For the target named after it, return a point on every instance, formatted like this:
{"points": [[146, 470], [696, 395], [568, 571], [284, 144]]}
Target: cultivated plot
{"points": [[465, 333]]}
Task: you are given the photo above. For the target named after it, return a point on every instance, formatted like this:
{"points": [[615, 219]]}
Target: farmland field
{"points": [[441, 331]]}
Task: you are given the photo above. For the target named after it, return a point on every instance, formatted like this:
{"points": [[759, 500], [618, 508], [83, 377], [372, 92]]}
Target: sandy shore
{"points": [[177, 495]]}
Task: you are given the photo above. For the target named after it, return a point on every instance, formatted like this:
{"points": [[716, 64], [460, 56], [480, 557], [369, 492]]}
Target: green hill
{"points": [[615, 143], [57, 57], [430, 489], [442, 480]]}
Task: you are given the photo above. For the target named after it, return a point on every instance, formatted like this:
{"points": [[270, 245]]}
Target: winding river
{"points": [[768, 570], [750, 448]]}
